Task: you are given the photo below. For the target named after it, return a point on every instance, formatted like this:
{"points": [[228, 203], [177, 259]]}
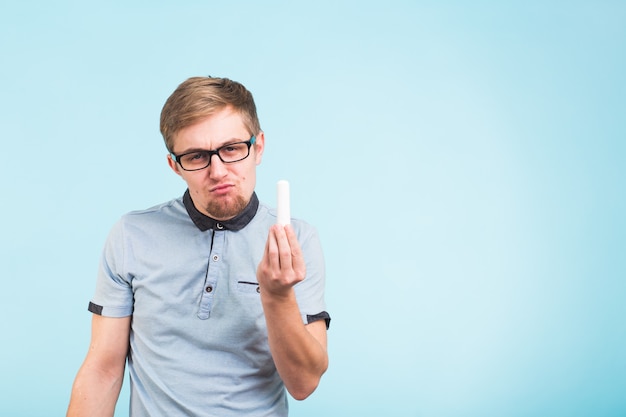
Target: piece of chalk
{"points": [[283, 215]]}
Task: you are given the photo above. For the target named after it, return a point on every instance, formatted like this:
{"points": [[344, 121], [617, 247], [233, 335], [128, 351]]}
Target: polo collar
{"points": [[204, 222]]}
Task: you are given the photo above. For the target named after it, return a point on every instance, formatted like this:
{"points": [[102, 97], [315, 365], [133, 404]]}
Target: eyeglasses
{"points": [[232, 152]]}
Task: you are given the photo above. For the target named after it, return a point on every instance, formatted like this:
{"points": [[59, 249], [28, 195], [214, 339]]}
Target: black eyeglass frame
{"points": [[249, 142]]}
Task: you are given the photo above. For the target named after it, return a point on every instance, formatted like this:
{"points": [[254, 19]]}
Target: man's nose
{"points": [[217, 168]]}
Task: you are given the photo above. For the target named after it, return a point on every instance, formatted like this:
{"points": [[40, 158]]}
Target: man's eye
{"points": [[195, 157], [230, 148]]}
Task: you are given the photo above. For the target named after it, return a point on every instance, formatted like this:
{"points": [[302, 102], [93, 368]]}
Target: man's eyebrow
{"points": [[225, 143], [191, 150]]}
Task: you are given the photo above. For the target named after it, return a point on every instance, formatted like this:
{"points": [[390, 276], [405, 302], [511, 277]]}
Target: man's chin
{"points": [[226, 208]]}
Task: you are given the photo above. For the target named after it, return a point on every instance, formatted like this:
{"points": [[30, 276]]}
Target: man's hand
{"points": [[298, 350], [282, 265]]}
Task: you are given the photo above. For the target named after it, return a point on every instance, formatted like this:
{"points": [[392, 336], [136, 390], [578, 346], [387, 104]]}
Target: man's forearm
{"points": [[299, 354], [94, 393]]}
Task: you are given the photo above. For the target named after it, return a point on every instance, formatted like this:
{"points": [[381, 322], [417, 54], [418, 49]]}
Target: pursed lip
{"points": [[221, 188]]}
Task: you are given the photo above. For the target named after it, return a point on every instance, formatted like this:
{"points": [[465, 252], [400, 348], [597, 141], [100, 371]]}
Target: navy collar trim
{"points": [[204, 222]]}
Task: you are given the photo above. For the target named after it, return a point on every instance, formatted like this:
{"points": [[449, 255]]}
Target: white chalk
{"points": [[283, 215]]}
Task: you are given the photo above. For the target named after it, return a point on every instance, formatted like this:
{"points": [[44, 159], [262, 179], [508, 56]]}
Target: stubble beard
{"points": [[226, 208]]}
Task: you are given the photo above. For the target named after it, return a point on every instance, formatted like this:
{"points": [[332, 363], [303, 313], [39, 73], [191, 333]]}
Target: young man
{"points": [[216, 308]]}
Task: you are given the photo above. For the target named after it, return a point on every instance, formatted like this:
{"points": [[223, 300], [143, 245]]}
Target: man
{"points": [[216, 308]]}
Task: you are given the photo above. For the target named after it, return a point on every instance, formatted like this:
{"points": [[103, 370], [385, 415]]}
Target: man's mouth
{"points": [[221, 189]]}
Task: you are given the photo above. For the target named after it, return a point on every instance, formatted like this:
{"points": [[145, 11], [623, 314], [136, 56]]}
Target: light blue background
{"points": [[463, 161]]}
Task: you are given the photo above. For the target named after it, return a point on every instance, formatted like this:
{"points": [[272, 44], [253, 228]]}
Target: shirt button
{"points": [[258, 289], [208, 289], [220, 226], [216, 258]]}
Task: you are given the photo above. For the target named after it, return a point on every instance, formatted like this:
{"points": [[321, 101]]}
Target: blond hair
{"points": [[200, 97]]}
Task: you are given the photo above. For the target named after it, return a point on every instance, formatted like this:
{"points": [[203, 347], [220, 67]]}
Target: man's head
{"points": [[199, 97], [218, 115]]}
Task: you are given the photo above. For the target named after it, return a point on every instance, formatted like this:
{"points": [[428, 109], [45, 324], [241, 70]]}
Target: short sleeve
{"points": [[113, 296], [310, 291]]}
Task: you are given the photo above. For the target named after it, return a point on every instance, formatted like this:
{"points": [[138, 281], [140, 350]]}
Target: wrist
{"points": [[284, 296]]}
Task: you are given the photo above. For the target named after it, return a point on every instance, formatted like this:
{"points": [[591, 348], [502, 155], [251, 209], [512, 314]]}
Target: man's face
{"points": [[220, 191]]}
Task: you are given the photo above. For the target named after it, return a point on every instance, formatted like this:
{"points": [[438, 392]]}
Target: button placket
{"points": [[213, 272]]}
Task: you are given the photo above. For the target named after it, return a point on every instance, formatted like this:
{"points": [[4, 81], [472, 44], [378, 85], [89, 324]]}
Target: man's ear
{"points": [[173, 164], [259, 147]]}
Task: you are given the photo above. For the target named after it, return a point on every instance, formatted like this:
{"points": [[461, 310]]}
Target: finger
{"points": [[284, 247], [293, 241], [297, 258], [273, 250]]}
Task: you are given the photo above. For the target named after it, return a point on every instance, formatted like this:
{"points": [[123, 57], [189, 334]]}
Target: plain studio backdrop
{"points": [[462, 161]]}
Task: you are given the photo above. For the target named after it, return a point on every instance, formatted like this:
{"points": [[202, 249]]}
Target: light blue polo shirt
{"points": [[198, 343]]}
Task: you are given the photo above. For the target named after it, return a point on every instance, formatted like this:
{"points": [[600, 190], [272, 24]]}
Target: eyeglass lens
{"points": [[228, 153]]}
